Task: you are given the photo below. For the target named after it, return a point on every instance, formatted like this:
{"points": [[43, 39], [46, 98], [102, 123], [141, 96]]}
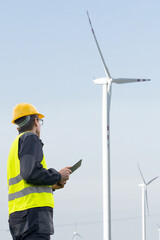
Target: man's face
{"points": [[38, 126]]}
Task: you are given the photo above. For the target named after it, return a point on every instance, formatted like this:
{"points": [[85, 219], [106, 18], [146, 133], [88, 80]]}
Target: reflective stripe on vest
{"points": [[23, 195], [29, 190], [15, 180]]}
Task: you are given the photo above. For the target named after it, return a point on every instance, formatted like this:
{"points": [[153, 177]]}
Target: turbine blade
{"points": [[104, 64], [74, 235], [152, 180], [146, 195], [79, 235], [141, 174], [128, 80]]}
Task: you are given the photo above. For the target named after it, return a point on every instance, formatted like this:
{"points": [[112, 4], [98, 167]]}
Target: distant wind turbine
{"points": [[144, 202], [106, 100], [75, 235]]}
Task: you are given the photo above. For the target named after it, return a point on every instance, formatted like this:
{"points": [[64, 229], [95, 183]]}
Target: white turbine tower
{"points": [[158, 230], [144, 202], [106, 100]]}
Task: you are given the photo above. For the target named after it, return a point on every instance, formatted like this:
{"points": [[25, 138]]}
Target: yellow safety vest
{"points": [[23, 195]]}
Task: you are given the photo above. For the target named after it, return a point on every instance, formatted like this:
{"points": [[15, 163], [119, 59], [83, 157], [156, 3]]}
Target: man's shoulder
{"points": [[30, 135]]}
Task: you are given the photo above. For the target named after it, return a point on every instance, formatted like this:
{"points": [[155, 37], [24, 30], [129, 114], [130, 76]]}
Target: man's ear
{"points": [[36, 122]]}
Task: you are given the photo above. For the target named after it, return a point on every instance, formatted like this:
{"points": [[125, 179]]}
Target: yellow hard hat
{"points": [[24, 109]]}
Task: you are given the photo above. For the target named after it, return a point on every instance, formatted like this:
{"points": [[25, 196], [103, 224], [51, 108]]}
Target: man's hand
{"points": [[65, 172], [58, 185]]}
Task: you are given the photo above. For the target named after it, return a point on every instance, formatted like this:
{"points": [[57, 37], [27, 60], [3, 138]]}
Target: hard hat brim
{"points": [[40, 116]]}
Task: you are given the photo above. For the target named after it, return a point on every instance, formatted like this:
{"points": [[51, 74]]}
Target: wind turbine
{"points": [[144, 202], [106, 83], [75, 234]]}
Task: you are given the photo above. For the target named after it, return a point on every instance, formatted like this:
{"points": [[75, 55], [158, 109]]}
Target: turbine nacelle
{"points": [[102, 81], [142, 185], [144, 182]]}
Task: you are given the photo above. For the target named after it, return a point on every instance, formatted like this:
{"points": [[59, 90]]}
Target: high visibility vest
{"points": [[23, 195]]}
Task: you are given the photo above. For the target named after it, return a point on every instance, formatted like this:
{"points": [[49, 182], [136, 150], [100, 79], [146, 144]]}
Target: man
{"points": [[30, 183]]}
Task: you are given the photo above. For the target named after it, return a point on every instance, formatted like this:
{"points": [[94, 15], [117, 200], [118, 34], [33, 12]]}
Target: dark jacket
{"points": [[40, 220]]}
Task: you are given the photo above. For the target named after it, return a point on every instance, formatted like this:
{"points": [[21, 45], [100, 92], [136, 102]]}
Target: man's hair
{"points": [[25, 123]]}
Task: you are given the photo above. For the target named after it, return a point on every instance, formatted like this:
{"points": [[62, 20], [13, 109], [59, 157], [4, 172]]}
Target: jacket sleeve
{"points": [[31, 169]]}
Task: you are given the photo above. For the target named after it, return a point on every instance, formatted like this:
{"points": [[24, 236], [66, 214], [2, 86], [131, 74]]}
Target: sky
{"points": [[48, 57]]}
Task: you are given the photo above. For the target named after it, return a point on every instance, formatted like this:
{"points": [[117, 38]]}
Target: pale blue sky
{"points": [[48, 57]]}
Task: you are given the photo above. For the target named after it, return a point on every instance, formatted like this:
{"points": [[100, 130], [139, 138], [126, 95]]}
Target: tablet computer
{"points": [[76, 166]]}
